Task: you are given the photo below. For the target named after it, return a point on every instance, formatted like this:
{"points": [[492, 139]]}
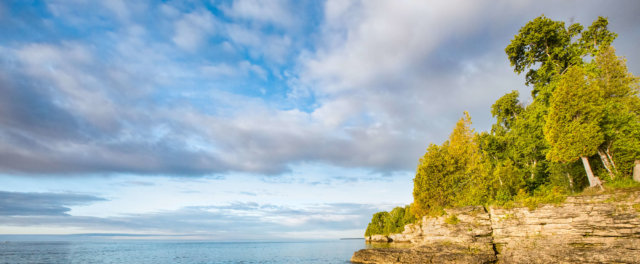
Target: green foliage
{"points": [[573, 124], [553, 48], [544, 42], [545, 194], [622, 183], [377, 224], [585, 104], [385, 223], [597, 37], [452, 220], [453, 174], [621, 111], [409, 216], [507, 109], [510, 178], [569, 176]]}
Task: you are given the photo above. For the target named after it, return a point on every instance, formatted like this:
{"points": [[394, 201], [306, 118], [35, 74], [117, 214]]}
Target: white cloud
{"points": [[274, 48], [169, 10], [220, 70], [276, 12], [65, 68], [396, 68], [193, 28], [381, 82], [119, 7], [226, 70]]}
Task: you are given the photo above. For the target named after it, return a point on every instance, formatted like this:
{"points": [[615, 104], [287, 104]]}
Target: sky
{"points": [[245, 120]]}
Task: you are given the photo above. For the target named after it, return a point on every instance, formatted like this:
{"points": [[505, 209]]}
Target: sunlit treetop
{"points": [[552, 47]]}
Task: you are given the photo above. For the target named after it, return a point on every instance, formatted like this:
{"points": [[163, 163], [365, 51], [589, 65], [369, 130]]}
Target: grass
{"points": [[622, 183], [452, 220], [618, 198], [544, 195], [507, 217]]}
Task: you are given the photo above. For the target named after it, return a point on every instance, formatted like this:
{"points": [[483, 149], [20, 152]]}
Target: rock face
{"points": [[584, 229], [461, 236], [601, 228]]}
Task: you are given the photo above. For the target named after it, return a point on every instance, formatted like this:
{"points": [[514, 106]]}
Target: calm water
{"points": [[338, 251]]}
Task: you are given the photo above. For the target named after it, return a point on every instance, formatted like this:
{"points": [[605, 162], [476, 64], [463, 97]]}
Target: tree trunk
{"points": [[570, 182], [606, 163], [533, 169], [636, 171], [593, 180], [613, 164]]}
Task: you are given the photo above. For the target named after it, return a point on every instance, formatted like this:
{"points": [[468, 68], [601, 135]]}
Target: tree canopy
{"points": [[583, 126]]}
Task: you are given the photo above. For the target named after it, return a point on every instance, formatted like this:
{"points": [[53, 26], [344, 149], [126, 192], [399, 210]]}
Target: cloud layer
{"points": [[245, 86], [234, 221], [41, 204]]}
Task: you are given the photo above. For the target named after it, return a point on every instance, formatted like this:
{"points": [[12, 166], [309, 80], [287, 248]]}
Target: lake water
{"points": [[338, 251]]}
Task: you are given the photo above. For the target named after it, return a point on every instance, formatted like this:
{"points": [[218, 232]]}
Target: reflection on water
{"points": [[338, 251]]}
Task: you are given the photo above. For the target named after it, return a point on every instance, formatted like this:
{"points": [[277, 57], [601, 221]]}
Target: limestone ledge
{"points": [[602, 228]]}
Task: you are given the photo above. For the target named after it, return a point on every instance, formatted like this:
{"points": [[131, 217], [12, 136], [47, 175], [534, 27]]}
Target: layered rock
{"points": [[462, 235], [601, 228], [584, 229]]}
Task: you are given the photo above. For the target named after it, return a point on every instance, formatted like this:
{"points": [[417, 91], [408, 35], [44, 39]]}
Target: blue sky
{"points": [[243, 120]]}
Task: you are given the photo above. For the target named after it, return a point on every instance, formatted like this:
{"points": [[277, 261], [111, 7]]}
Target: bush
{"points": [[622, 182], [385, 223]]}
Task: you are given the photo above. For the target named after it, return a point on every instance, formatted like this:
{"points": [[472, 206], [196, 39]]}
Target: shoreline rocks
{"points": [[602, 228]]}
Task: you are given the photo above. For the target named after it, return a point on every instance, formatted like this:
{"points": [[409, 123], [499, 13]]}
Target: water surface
{"points": [[338, 251]]}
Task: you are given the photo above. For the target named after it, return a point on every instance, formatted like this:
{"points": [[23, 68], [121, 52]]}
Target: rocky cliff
{"points": [[603, 228]]}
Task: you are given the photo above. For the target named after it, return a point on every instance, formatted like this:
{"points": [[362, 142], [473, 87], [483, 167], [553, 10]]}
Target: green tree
{"points": [[431, 186], [395, 222], [529, 144], [452, 174], [553, 48], [496, 145], [409, 216], [573, 124], [516, 141], [597, 37], [546, 43], [377, 224], [385, 223], [506, 109], [620, 113]]}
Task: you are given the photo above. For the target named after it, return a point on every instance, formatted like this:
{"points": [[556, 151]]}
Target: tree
{"points": [[385, 223], [529, 144], [621, 115], [517, 138], [553, 48], [497, 144], [506, 109], [453, 174], [395, 222], [547, 43], [597, 37], [431, 186], [545, 50], [377, 224], [573, 124]]}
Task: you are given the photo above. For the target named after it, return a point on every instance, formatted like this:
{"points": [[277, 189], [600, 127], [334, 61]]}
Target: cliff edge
{"points": [[603, 228]]}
